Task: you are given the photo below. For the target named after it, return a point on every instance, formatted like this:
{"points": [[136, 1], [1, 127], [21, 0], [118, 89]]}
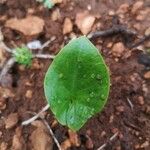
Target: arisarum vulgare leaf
{"points": [[77, 83]]}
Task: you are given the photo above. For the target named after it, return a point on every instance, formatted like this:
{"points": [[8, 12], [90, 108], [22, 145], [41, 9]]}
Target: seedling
{"points": [[47, 3], [23, 55], [77, 83]]}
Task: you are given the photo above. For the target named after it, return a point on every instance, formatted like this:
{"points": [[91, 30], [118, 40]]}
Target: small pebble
{"points": [[145, 144], [29, 94], [67, 27], [147, 75], [138, 5], [120, 108], [114, 130], [123, 8], [118, 49], [103, 134], [141, 100], [147, 31], [36, 44], [3, 146], [11, 120], [56, 15], [89, 143]]}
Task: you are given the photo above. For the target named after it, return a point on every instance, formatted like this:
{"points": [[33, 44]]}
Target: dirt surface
{"points": [[22, 92]]}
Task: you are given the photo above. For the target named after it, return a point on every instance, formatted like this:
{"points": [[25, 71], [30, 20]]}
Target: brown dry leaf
{"points": [[84, 21], [18, 142], [30, 25], [11, 120], [67, 27], [41, 140], [29, 94], [73, 137]]}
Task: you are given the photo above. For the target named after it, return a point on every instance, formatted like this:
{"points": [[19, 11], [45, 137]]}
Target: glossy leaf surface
{"points": [[77, 83]]}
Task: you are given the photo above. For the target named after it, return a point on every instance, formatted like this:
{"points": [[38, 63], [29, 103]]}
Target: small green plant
{"points": [[23, 55], [47, 3], [77, 83]]}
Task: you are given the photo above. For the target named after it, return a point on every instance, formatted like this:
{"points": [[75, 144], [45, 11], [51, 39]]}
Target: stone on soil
{"points": [[138, 5], [11, 120], [118, 49], [67, 27], [41, 140], [18, 142], [84, 22], [31, 25]]}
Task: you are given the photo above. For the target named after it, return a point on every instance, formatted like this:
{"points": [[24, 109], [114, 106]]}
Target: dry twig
{"points": [[44, 56], [111, 139], [141, 41], [112, 31], [127, 35], [130, 103], [6, 48], [47, 42], [24, 123], [6, 68], [51, 132]]}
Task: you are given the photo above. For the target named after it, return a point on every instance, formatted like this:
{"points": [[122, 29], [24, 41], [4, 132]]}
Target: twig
{"points": [[111, 139], [48, 42], [45, 56], [3, 45], [36, 116], [51, 132], [130, 103], [141, 41], [114, 30], [128, 124], [6, 68]]}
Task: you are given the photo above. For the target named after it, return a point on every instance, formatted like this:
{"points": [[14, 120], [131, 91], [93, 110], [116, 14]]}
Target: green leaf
{"points": [[77, 83], [23, 55]]}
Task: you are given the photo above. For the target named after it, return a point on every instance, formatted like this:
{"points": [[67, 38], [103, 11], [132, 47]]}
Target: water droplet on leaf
{"points": [[79, 66], [92, 94], [88, 99], [60, 75], [98, 77], [84, 75], [93, 75]]}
